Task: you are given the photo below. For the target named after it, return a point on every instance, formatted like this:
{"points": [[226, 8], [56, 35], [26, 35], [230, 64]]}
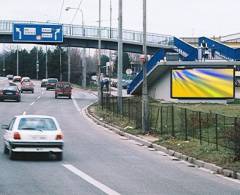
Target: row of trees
{"points": [[27, 63]]}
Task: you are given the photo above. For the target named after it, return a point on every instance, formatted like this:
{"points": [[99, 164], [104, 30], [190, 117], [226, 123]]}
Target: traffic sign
{"points": [[129, 71], [37, 33]]}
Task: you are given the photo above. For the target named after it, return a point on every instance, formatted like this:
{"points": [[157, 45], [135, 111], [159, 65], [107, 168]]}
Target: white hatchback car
{"points": [[33, 133]]}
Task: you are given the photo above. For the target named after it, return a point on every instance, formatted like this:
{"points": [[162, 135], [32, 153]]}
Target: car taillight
{"points": [[59, 136], [16, 135]]}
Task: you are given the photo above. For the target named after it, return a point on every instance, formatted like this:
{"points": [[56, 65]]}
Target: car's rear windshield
{"points": [[63, 85], [46, 124], [11, 88], [52, 80]]}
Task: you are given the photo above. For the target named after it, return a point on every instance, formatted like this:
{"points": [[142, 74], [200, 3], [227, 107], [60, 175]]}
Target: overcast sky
{"points": [[173, 17]]}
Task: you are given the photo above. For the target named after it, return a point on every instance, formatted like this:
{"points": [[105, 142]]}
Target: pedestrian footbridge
{"points": [[87, 37]]}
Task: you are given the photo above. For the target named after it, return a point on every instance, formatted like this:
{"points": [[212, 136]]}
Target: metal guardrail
{"points": [[92, 32]]}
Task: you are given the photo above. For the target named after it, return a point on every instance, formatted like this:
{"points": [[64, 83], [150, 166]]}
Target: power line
{"points": [[60, 15], [80, 2]]}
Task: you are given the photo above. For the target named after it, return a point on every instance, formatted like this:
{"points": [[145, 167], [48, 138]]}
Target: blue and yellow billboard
{"points": [[203, 83]]}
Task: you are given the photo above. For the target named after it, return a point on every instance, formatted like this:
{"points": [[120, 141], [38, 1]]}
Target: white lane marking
{"points": [[32, 103], [76, 105], [35, 100], [90, 180]]}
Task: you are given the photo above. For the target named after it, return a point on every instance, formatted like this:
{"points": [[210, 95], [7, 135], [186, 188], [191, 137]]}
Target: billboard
{"points": [[202, 83], [34, 33]]}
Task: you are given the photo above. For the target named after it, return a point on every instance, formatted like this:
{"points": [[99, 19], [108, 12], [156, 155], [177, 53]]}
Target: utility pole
{"points": [[144, 63], [17, 62], [99, 53], [120, 56], [110, 52], [69, 65], [110, 19], [46, 71], [60, 63], [37, 64], [84, 64], [4, 66]]}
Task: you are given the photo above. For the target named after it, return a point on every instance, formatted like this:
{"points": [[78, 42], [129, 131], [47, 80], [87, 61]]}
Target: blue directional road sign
{"points": [[40, 33]]}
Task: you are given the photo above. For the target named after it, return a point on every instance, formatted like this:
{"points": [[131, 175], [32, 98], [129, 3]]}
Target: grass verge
{"points": [[206, 152]]}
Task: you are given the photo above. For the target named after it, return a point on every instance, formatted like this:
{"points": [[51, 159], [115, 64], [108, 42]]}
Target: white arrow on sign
{"points": [[57, 31], [20, 32]]}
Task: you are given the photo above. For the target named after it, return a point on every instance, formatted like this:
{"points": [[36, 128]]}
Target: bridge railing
{"points": [[92, 32]]}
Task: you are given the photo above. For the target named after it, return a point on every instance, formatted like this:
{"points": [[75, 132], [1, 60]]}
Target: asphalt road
{"points": [[95, 160]]}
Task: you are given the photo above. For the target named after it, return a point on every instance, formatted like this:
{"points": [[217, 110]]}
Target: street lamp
{"points": [[84, 65], [144, 68], [37, 64], [4, 68]]}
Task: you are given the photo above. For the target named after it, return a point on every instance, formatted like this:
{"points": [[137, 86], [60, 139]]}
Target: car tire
{"points": [[18, 99], [69, 97], [32, 91], [5, 150], [59, 156], [12, 155], [56, 96]]}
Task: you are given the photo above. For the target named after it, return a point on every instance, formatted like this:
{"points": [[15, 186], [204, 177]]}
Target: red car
{"points": [[63, 89], [27, 86]]}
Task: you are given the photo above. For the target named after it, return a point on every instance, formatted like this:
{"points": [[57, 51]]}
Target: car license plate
{"points": [[9, 93], [39, 137]]}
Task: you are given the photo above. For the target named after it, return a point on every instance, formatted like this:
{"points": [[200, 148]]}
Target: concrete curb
{"points": [[193, 161]]}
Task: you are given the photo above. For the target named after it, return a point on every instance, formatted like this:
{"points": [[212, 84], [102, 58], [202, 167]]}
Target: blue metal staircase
{"points": [[187, 51], [221, 49], [150, 67]]}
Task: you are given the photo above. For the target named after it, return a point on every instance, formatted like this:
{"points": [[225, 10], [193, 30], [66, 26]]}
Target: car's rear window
{"points": [[46, 124], [63, 85], [52, 80], [11, 88]]}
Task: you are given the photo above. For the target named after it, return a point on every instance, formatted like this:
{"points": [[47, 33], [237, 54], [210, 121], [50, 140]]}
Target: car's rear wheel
{"points": [[56, 96], [70, 97], [12, 155], [32, 91], [59, 156], [5, 150], [18, 99]]}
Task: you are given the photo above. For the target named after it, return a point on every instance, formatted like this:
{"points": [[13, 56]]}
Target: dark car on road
{"points": [[51, 83], [63, 89], [10, 93]]}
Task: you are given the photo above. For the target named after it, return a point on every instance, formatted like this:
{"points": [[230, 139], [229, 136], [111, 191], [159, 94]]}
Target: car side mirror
{"points": [[5, 127]]}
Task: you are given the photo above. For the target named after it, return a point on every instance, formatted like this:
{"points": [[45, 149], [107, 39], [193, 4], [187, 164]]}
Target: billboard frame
{"points": [[201, 98]]}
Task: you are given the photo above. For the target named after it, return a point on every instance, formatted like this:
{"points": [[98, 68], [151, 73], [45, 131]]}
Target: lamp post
{"points": [[17, 62], [46, 71], [120, 56], [99, 51], [84, 65], [37, 65], [144, 63], [4, 68]]}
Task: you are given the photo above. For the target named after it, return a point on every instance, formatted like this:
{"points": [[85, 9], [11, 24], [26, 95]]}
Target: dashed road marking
{"points": [[32, 103], [90, 180]]}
